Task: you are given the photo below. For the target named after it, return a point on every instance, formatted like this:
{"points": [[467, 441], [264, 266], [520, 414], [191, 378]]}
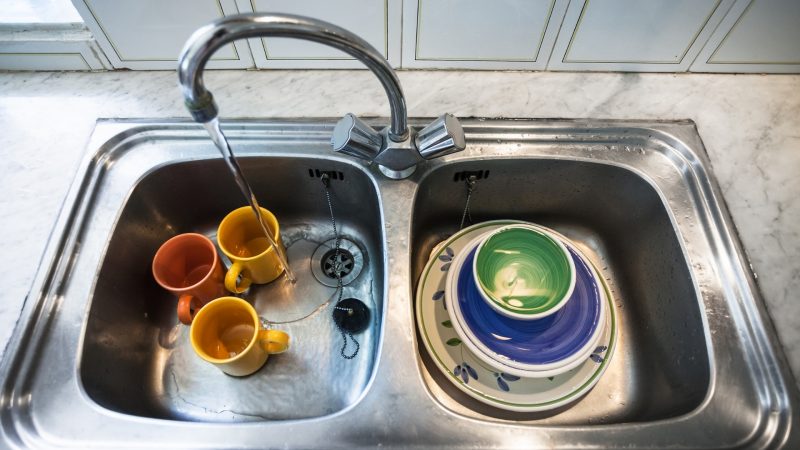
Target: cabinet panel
{"points": [[502, 34], [149, 34], [42, 61], [756, 36], [767, 32], [502, 30], [656, 35], [376, 21], [52, 47]]}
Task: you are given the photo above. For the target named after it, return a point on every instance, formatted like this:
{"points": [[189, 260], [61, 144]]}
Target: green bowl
{"points": [[523, 272]]}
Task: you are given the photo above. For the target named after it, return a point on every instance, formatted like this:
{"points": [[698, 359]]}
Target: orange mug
{"points": [[189, 266]]}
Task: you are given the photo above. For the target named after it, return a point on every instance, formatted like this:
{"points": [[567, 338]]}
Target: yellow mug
{"points": [[227, 332], [242, 240]]}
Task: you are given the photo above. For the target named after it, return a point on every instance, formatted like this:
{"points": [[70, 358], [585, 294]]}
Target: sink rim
{"points": [[680, 136]]}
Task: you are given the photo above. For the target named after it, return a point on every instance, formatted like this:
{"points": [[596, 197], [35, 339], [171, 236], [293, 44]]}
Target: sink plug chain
{"points": [[470, 182], [337, 270]]}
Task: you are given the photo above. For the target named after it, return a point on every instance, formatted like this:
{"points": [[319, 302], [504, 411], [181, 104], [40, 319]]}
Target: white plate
{"points": [[478, 380]]}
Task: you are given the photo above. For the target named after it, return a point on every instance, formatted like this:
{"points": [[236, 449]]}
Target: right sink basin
{"points": [[617, 218], [636, 198]]}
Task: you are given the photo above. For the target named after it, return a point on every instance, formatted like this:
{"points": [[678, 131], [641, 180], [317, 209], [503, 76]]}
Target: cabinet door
{"points": [[756, 36], [55, 47], [149, 34], [479, 34], [375, 21], [635, 35]]}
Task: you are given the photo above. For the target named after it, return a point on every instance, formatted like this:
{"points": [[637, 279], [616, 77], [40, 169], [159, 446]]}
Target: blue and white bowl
{"points": [[527, 348]]}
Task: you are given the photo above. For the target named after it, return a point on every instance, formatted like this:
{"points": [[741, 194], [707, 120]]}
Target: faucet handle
{"points": [[441, 137], [353, 137]]}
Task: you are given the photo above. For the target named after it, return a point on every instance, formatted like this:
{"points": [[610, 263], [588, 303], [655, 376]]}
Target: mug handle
{"points": [[188, 305], [273, 341], [232, 276]]}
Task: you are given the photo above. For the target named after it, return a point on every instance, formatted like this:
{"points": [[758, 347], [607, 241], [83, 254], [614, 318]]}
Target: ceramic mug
{"points": [[242, 240], [189, 266], [228, 333]]}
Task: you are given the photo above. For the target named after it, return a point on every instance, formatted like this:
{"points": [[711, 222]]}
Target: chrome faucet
{"points": [[397, 149]]}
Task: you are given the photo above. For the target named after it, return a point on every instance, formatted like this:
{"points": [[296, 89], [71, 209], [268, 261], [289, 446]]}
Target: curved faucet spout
{"points": [[208, 39], [397, 149]]}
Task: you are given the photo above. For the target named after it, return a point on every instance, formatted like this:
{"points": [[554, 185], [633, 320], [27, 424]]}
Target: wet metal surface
{"points": [[98, 361]]}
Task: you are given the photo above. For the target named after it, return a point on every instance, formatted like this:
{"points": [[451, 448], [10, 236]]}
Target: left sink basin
{"points": [[134, 357]]}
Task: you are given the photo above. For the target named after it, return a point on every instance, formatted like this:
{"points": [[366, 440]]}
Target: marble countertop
{"points": [[750, 125]]}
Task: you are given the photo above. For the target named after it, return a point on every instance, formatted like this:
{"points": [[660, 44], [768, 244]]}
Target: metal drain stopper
{"points": [[351, 315], [325, 264], [337, 266]]}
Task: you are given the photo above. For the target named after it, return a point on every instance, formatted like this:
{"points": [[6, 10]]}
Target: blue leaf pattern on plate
{"points": [[465, 371], [597, 358], [438, 295], [502, 380], [502, 384], [509, 377], [447, 258]]}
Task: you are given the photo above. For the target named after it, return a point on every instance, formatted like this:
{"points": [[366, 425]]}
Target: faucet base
{"points": [[397, 174]]}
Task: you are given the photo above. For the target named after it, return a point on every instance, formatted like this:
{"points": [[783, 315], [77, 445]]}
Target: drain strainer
{"points": [[337, 264], [325, 264]]}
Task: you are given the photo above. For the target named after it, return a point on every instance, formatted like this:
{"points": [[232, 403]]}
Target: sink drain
{"points": [[325, 264], [337, 264]]}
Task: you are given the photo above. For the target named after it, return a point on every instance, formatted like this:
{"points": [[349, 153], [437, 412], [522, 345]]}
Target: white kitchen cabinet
{"points": [[376, 21], [580, 35], [478, 34], [149, 34], [635, 35], [756, 36], [67, 46]]}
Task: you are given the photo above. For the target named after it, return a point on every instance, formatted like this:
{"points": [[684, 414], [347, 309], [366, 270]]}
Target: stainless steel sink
{"points": [[98, 361]]}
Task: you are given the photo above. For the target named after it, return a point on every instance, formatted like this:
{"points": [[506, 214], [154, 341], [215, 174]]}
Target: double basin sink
{"points": [[98, 360]]}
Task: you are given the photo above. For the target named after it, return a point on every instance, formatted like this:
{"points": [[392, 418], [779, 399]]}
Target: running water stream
{"points": [[221, 142]]}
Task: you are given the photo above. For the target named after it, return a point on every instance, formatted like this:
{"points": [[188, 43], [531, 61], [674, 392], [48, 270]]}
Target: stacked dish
{"points": [[516, 316]]}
